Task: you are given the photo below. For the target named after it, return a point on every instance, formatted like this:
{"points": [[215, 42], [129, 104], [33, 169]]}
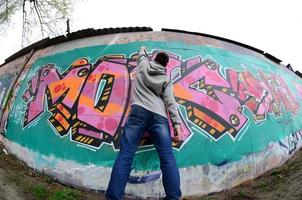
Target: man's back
{"points": [[152, 88]]}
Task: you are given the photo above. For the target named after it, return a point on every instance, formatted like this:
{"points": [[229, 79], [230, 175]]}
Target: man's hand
{"points": [[176, 135], [143, 48]]}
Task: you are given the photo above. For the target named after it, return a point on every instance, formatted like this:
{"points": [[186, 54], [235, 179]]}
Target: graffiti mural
{"points": [[291, 142], [5, 82], [240, 112], [92, 101]]}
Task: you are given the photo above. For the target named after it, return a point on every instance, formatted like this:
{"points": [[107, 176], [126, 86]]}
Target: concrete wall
{"points": [[241, 113]]}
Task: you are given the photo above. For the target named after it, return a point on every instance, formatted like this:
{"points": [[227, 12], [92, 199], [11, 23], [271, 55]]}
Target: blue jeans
{"points": [[138, 121]]}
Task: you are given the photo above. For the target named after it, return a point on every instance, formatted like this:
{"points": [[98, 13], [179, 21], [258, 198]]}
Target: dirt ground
{"points": [[18, 182]]}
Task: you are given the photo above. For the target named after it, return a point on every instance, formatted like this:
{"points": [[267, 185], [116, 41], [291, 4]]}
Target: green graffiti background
{"points": [[40, 136]]}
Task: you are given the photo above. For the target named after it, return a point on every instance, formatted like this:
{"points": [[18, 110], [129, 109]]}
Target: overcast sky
{"points": [[274, 26]]}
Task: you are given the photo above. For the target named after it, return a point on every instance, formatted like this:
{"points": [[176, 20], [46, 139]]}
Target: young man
{"points": [[152, 94]]}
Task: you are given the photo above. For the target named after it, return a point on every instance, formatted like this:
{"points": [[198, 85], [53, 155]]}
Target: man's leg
{"points": [[133, 131], [160, 132]]}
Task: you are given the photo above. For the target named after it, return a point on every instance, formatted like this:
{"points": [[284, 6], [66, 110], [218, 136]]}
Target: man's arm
{"points": [[142, 56], [168, 97]]}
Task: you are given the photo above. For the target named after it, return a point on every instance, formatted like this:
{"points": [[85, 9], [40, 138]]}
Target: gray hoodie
{"points": [[153, 89]]}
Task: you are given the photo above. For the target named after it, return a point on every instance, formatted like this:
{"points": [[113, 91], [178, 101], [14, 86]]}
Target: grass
{"points": [[242, 194], [262, 185], [65, 194], [41, 193]]}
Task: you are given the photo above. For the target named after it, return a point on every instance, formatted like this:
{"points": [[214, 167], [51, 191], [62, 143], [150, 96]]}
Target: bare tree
{"points": [[41, 18]]}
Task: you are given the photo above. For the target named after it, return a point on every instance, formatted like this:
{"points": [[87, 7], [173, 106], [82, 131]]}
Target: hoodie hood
{"points": [[156, 69]]}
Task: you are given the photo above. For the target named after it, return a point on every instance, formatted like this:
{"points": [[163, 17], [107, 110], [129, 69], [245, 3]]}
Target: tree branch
{"points": [[47, 16], [39, 17], [6, 6]]}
